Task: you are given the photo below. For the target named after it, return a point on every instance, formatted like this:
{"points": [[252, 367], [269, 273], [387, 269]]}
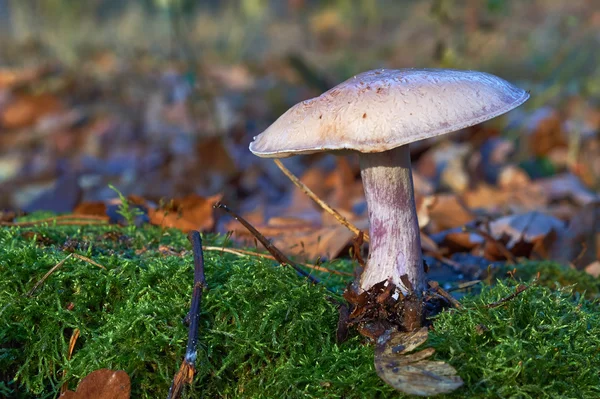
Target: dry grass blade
{"points": [[54, 268], [72, 342], [242, 252], [88, 260], [58, 265], [464, 286], [320, 202], [520, 288], [62, 220]]}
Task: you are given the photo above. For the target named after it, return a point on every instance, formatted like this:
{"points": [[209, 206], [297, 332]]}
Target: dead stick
{"points": [[320, 202], [242, 252], [444, 294], [277, 254], [186, 372]]}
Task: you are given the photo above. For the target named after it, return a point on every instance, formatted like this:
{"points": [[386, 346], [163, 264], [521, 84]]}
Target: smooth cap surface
{"points": [[382, 109]]}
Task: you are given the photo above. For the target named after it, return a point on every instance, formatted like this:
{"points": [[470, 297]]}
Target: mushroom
{"points": [[377, 114]]}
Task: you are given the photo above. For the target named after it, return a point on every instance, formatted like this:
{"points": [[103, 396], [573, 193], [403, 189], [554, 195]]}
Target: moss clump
{"points": [[554, 275], [264, 331], [541, 344]]}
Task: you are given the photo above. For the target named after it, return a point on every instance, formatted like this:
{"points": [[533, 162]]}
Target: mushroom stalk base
{"points": [[395, 242]]}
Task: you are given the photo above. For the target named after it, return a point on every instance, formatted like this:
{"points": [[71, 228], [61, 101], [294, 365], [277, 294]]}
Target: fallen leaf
{"points": [[188, 213], [26, 110], [413, 373], [566, 186], [527, 227], [446, 211], [102, 384]]}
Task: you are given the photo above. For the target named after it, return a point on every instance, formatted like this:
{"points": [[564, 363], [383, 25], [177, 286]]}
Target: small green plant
{"points": [[126, 210]]}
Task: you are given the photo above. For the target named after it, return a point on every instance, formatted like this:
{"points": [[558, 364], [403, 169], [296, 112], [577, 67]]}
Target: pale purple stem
{"points": [[395, 245]]}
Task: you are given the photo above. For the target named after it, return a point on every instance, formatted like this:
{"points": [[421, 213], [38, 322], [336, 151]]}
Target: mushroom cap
{"points": [[385, 108]]}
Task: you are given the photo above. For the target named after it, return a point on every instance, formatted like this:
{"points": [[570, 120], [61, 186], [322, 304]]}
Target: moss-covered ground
{"points": [[264, 333]]}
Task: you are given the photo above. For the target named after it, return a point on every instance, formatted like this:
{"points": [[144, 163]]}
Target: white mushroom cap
{"points": [[383, 109]]}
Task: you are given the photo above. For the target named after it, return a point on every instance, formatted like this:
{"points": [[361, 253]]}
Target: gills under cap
{"points": [[382, 109]]}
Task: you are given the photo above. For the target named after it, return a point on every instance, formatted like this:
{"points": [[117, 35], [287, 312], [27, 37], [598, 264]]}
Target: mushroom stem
{"points": [[395, 245]]}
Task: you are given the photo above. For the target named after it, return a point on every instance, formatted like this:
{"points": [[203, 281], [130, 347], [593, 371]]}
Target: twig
{"points": [[520, 289], [54, 268], [442, 292], [242, 252], [186, 372], [320, 202], [277, 254]]}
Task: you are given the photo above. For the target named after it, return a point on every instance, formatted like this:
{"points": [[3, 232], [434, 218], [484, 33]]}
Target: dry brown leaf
{"points": [[102, 384], [413, 373], [188, 213], [565, 186], [297, 237], [445, 212], [579, 244], [527, 198], [26, 110], [547, 135], [525, 227]]}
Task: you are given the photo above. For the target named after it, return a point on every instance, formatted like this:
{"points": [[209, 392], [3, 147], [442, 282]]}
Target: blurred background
{"points": [[161, 98]]}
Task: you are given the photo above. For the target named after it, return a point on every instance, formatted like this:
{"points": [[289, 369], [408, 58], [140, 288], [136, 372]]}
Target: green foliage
{"points": [[541, 344], [129, 213], [554, 275], [265, 332]]}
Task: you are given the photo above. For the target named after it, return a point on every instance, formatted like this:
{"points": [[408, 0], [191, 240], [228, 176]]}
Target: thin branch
{"points": [[242, 252], [186, 372], [320, 202], [443, 293], [277, 254]]}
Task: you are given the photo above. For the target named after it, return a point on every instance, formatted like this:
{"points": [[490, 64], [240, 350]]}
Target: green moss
{"points": [[554, 275], [265, 332], [541, 344]]}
